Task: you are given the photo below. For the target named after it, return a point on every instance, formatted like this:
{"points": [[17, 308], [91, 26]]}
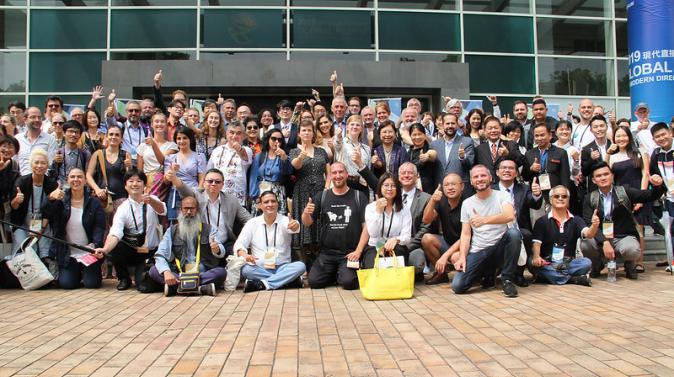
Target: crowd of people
{"points": [[309, 192]]}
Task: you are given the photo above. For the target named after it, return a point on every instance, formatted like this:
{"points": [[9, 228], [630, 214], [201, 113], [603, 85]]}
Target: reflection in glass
{"points": [[65, 71], [153, 2], [243, 28], [12, 28], [498, 33], [507, 6], [328, 55], [63, 3], [12, 72], [592, 8], [574, 37], [620, 8], [5, 100], [205, 3], [419, 4], [501, 74], [412, 57], [248, 55], [153, 55], [67, 28], [153, 28], [333, 3], [332, 29], [623, 78], [419, 31], [621, 38], [581, 77], [12, 2]]}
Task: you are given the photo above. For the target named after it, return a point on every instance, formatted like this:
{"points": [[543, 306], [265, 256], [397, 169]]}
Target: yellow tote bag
{"points": [[386, 283]]}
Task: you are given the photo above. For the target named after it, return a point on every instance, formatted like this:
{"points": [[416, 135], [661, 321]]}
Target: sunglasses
{"points": [[249, 128], [133, 111], [276, 139], [560, 196], [213, 181], [57, 122], [53, 105]]}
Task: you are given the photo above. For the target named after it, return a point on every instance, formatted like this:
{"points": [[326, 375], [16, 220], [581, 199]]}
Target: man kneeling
{"points": [[189, 247], [269, 238]]}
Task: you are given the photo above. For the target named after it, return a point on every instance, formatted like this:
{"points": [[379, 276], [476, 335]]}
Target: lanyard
{"points": [[390, 223], [140, 132], [208, 214], [198, 251], [135, 224], [266, 237]]}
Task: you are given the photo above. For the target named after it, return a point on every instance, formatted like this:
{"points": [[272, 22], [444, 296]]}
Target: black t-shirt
{"points": [[547, 232], [450, 219], [342, 218]]}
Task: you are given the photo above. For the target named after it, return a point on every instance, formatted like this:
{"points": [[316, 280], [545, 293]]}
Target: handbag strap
{"points": [[376, 258], [101, 162]]}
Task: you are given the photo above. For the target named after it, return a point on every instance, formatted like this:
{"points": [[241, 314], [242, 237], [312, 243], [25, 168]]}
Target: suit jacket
{"points": [[483, 155], [398, 157], [417, 211], [557, 167], [452, 164], [550, 121], [586, 163], [292, 139], [524, 202]]}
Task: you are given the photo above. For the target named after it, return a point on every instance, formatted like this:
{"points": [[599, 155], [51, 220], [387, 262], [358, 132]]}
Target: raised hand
{"points": [[112, 96], [595, 219], [503, 150], [333, 77], [437, 194], [612, 149], [493, 100], [655, 180], [462, 152], [476, 220], [536, 166], [128, 163], [381, 205], [309, 209], [157, 78], [595, 155], [97, 93], [19, 196], [220, 100], [535, 187]]}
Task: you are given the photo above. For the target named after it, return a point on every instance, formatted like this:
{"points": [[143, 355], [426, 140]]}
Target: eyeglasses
{"points": [[53, 105], [388, 186], [250, 128], [61, 123], [213, 181], [560, 196], [276, 139], [133, 110]]}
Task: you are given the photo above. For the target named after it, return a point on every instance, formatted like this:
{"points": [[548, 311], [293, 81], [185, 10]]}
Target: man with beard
{"points": [[134, 132], [33, 138], [269, 237], [189, 246], [455, 152], [488, 239]]}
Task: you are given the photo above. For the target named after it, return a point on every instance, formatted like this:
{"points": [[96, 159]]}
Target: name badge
{"points": [[607, 229], [670, 185], [7, 207], [270, 259], [544, 181], [36, 223], [353, 264], [190, 267], [142, 250], [557, 254]]}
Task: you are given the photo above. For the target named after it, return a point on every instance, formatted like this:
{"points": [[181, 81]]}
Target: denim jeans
{"points": [[275, 278], [577, 267], [504, 254], [71, 276], [41, 247]]}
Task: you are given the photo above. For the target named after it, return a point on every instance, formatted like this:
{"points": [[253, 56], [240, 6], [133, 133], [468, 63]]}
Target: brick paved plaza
{"points": [[624, 328]]}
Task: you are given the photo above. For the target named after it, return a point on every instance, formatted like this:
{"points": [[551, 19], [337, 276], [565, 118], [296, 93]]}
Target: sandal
{"points": [[640, 268]]}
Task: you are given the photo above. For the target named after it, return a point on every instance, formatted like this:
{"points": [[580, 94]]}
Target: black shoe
{"points": [[297, 283], [658, 229], [520, 281], [509, 289], [631, 271], [596, 272], [253, 286], [437, 278], [124, 284], [207, 289], [170, 290], [418, 277], [581, 280], [488, 282]]}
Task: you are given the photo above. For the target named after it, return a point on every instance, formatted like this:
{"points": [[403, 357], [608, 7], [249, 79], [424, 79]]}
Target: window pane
{"points": [[39, 101], [418, 31], [620, 9], [153, 2], [593, 8], [501, 74], [12, 28], [250, 55], [153, 55], [582, 77], [6, 99], [332, 55], [12, 72], [332, 29], [12, 2], [419, 4], [333, 3], [623, 78], [256, 28], [621, 38], [65, 71], [68, 28], [153, 28], [498, 33], [507, 6], [573, 37], [61, 3], [205, 3], [412, 57]]}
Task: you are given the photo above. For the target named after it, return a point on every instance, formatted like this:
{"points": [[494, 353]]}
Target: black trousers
{"points": [[331, 268], [123, 256]]}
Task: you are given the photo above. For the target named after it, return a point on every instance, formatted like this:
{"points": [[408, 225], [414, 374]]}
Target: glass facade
{"points": [[563, 49]]}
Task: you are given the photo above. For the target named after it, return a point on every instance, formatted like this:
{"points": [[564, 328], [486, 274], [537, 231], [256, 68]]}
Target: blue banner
{"points": [[650, 39]]}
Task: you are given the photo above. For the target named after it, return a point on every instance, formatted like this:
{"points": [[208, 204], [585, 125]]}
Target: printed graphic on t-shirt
{"points": [[339, 221]]}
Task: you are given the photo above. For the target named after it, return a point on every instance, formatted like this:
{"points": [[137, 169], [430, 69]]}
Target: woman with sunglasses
{"points": [[212, 134], [269, 169], [57, 122], [92, 139], [389, 223], [252, 135]]}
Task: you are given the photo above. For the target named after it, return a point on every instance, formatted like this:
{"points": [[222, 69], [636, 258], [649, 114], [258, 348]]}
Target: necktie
{"points": [[493, 151], [404, 199]]}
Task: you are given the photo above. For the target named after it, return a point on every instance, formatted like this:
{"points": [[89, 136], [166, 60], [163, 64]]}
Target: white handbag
{"points": [[26, 265]]}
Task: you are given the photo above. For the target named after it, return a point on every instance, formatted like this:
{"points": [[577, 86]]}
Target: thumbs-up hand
{"points": [[309, 209], [595, 219], [157, 77], [57, 194], [58, 157], [423, 157], [149, 140], [170, 174], [437, 194], [612, 149], [4, 163], [476, 220], [112, 96], [595, 154], [375, 161], [381, 205], [220, 100], [356, 158], [128, 163], [333, 77], [655, 180], [293, 225], [462, 152], [535, 187], [215, 248], [503, 150], [18, 199], [536, 166]]}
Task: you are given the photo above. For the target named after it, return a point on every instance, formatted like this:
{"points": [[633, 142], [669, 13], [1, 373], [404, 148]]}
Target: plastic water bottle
{"points": [[611, 271]]}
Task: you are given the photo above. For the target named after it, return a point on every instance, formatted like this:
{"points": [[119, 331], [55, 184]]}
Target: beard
{"points": [[188, 227]]}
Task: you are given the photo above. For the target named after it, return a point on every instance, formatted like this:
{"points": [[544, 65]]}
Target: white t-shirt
{"points": [[489, 234], [75, 232], [150, 163]]}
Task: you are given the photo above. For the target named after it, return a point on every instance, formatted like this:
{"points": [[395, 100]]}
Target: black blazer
{"points": [[483, 155], [524, 202], [292, 139], [586, 163], [557, 167], [25, 184]]}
